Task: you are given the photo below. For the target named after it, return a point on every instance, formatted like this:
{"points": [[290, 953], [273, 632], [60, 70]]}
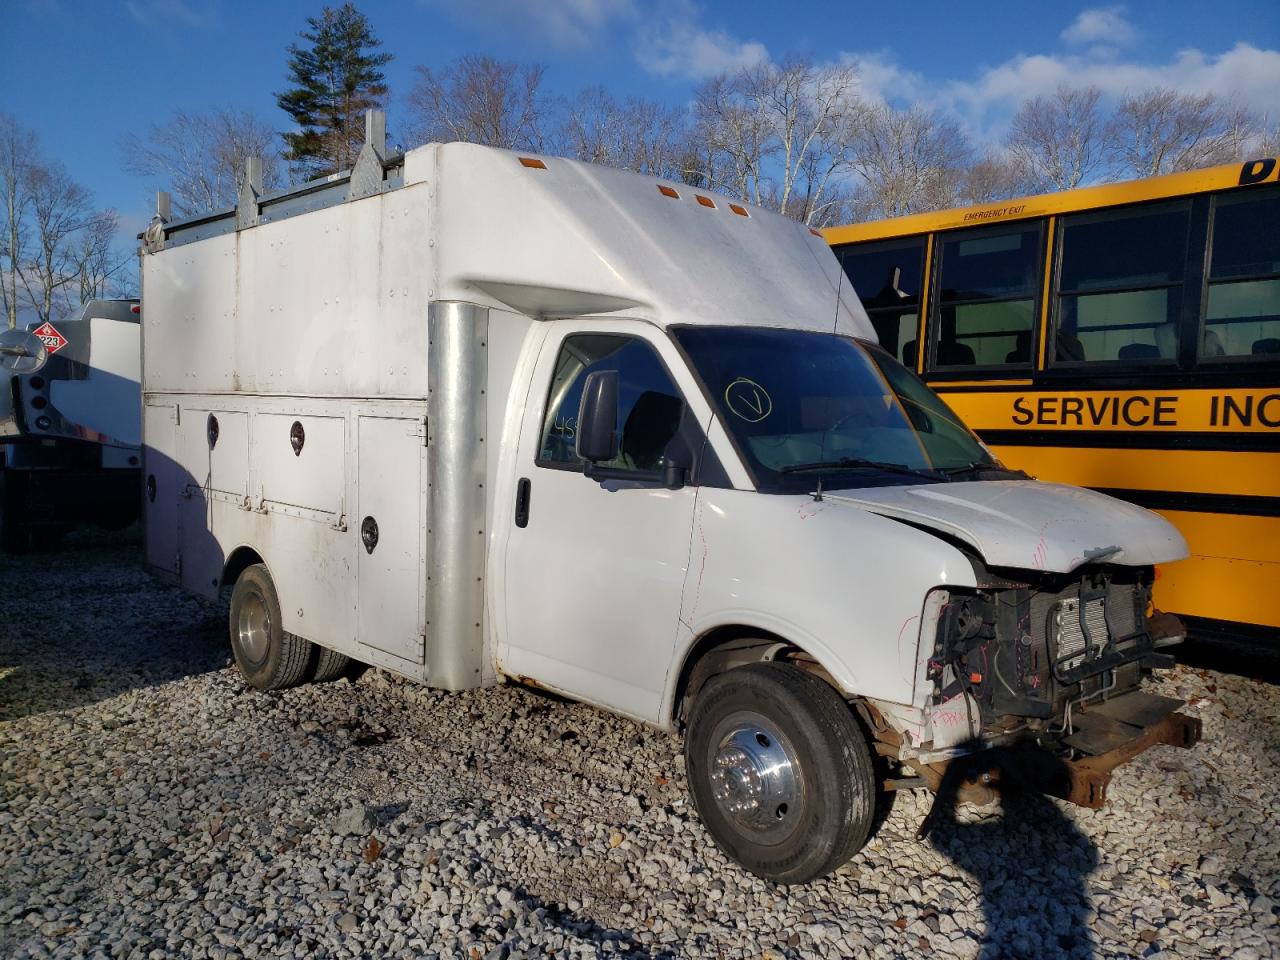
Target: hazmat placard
{"points": [[49, 335]]}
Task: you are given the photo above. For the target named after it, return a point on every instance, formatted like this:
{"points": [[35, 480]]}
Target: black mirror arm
{"points": [[673, 476], [596, 472]]}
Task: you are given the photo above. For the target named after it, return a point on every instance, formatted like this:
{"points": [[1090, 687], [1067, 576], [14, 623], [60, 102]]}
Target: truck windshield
{"points": [[802, 406]]}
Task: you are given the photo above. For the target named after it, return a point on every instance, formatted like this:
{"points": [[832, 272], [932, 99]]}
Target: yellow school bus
{"points": [[1124, 337]]}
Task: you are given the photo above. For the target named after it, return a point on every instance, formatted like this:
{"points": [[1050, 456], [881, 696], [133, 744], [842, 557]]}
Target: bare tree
{"points": [[633, 134], [778, 134], [1161, 130], [908, 161], [732, 138], [60, 210], [1268, 142], [993, 177], [17, 153], [1060, 140], [200, 157], [99, 264], [592, 127], [480, 100], [811, 113]]}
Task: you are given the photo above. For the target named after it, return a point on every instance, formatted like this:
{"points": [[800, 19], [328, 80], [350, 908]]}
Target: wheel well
{"points": [[240, 560], [723, 649]]}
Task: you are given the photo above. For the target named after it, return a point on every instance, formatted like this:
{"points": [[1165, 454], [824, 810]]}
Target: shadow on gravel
{"points": [[623, 943], [1031, 861], [88, 623]]}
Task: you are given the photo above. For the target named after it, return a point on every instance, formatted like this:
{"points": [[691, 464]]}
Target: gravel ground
{"points": [[153, 806]]}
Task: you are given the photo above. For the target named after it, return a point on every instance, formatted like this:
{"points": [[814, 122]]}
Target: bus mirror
{"points": [[598, 417]]}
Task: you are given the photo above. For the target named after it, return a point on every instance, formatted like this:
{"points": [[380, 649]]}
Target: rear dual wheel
{"points": [[268, 656], [780, 771], [330, 665]]}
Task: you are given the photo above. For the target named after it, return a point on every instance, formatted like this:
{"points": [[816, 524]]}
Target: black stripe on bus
{"points": [[1248, 649], [1207, 629], [1236, 504], [1136, 440], [1222, 377]]}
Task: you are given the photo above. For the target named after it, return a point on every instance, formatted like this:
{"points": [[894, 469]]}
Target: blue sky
{"points": [[84, 72]]}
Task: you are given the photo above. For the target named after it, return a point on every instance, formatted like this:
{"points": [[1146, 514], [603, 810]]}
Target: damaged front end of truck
{"points": [[1035, 677]]}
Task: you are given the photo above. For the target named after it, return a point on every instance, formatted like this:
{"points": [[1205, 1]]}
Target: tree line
{"points": [[57, 249], [796, 136]]}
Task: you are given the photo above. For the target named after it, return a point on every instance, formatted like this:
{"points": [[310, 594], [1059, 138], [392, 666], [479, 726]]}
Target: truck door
{"points": [[594, 570], [390, 534]]}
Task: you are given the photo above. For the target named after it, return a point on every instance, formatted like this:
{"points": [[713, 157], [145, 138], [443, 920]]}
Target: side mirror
{"points": [[598, 417]]}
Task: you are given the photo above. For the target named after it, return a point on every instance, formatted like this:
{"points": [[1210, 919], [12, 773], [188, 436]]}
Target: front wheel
{"points": [[268, 656], [780, 771]]}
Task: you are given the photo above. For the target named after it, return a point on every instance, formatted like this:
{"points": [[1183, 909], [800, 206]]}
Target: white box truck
{"points": [[70, 425], [474, 416]]}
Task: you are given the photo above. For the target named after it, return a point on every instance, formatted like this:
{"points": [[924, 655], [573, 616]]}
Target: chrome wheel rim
{"points": [[253, 628], [755, 777]]}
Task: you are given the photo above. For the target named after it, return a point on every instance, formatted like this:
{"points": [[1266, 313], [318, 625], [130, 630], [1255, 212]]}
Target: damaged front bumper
{"points": [[1110, 734], [1075, 766]]}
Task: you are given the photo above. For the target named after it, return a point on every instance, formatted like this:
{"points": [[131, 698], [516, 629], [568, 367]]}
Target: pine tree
{"points": [[337, 77]]}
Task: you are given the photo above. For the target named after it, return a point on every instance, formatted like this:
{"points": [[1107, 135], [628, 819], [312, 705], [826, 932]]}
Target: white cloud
{"points": [[568, 24], [881, 79], [677, 45], [1244, 74], [1105, 26]]}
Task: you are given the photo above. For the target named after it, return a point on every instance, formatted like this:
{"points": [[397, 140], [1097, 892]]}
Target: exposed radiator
{"points": [[1057, 618]]}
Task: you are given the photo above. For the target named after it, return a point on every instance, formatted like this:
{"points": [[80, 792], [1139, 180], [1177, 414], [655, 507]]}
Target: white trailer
{"points": [[70, 424], [474, 416]]}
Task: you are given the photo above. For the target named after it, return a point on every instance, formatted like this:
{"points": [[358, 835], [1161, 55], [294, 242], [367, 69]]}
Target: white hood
{"points": [[1030, 525]]}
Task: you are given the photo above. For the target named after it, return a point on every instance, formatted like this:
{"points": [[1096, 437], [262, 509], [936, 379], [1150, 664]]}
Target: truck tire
{"points": [[330, 665], [269, 657], [780, 771]]}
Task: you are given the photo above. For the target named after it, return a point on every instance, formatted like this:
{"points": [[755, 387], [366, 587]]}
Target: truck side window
{"points": [[649, 405]]}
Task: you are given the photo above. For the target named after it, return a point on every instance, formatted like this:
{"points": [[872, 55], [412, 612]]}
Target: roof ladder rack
{"points": [[374, 172]]}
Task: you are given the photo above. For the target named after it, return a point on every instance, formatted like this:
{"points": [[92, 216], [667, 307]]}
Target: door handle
{"points": [[523, 492]]}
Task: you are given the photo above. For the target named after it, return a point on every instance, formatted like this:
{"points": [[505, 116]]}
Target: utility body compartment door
{"points": [[205, 468], [388, 526], [594, 578], [163, 483]]}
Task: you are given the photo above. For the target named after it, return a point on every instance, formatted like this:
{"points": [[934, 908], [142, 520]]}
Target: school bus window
{"points": [[1242, 318], [886, 277], [1120, 286], [987, 298]]}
